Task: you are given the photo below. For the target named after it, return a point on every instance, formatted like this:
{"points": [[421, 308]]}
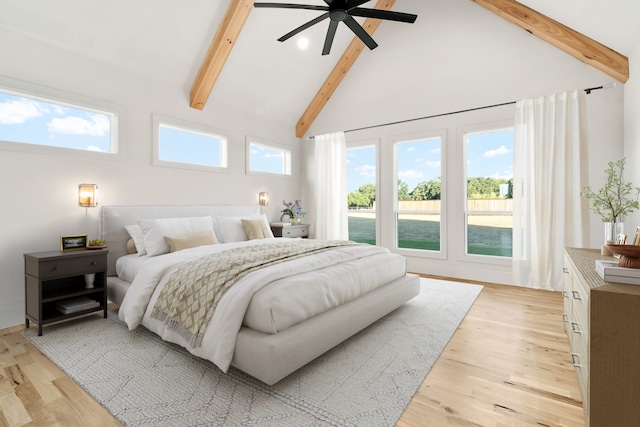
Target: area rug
{"points": [[367, 380]]}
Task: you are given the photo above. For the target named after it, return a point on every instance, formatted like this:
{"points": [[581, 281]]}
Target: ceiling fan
{"points": [[341, 11]]}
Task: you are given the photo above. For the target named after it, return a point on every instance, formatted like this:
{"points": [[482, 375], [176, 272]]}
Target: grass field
{"points": [[422, 234]]}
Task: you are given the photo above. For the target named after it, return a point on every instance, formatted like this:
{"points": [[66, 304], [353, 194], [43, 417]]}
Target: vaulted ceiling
{"points": [[457, 55], [564, 38]]}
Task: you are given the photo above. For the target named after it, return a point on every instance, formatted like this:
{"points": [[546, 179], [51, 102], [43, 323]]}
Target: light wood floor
{"points": [[507, 365]]}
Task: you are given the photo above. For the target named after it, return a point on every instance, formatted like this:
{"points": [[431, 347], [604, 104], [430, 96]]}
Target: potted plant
{"points": [[614, 200], [294, 211], [96, 244]]}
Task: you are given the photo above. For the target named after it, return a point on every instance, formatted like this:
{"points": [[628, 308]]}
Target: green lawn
{"points": [[417, 234]]}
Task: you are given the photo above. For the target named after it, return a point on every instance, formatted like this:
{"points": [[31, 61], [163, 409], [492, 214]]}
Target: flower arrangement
{"points": [[293, 210], [617, 198]]}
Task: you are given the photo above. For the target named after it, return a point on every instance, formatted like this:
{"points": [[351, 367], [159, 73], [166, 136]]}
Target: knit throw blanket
{"points": [[187, 301]]}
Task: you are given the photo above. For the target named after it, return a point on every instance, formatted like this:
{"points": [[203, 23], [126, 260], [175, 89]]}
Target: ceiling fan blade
{"points": [[290, 6], [360, 32], [384, 14], [331, 33], [355, 3], [304, 27]]}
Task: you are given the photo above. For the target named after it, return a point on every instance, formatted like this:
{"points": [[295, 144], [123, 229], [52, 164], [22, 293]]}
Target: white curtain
{"points": [[550, 169], [331, 187]]}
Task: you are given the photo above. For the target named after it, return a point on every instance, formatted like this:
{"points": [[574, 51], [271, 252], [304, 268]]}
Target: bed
{"points": [[272, 321]]}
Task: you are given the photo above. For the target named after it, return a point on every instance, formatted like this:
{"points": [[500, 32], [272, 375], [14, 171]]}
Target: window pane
{"points": [[489, 192], [185, 146], [33, 121], [419, 194], [361, 184], [263, 158]]}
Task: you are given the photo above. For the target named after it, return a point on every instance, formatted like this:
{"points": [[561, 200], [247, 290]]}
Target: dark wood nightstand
{"points": [[301, 230], [53, 279]]}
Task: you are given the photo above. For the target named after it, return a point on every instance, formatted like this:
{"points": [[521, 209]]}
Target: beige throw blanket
{"points": [[187, 302]]}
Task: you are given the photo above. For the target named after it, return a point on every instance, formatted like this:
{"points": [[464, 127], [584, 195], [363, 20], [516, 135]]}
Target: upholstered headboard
{"points": [[114, 218]]}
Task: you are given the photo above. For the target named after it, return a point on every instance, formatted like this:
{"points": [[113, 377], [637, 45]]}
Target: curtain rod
{"points": [[587, 91]]}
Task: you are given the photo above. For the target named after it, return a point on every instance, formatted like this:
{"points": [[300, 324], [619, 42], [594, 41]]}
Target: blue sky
{"points": [[489, 154], [37, 122]]}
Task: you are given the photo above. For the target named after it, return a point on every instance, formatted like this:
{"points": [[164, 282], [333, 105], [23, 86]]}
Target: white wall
{"points": [[605, 112], [632, 131], [39, 191]]}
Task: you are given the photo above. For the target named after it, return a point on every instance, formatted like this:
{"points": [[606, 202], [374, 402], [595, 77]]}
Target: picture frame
{"points": [[73, 243], [636, 238], [621, 239]]}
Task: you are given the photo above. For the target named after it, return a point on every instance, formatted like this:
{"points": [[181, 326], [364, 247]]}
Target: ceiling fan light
{"points": [[303, 43]]}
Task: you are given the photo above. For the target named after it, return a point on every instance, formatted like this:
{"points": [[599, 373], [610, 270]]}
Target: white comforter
{"points": [[218, 344]]}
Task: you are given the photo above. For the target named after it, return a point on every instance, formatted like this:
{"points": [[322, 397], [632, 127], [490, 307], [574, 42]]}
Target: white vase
{"points": [[89, 279], [612, 230]]}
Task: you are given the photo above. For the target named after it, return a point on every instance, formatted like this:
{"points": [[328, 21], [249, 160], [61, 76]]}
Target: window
{"points": [[31, 120], [188, 145], [362, 191], [489, 185], [266, 157], [418, 209]]}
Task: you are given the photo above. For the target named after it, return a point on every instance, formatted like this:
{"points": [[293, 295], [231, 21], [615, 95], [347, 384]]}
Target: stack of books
{"points": [[611, 272], [281, 224], [75, 305]]}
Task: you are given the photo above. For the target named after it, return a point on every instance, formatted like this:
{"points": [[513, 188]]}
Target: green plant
{"points": [[617, 198], [97, 242], [292, 210]]}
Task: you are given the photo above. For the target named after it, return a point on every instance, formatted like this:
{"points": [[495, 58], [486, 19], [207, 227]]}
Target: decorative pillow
{"points": [[256, 228], [155, 230], [138, 238], [229, 229], [131, 247], [178, 243]]}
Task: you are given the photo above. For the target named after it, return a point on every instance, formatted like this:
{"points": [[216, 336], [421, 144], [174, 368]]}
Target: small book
{"points": [[281, 224], [610, 271], [74, 303]]}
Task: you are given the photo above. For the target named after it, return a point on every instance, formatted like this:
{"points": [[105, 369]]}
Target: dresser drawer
{"points": [[65, 267], [301, 231]]}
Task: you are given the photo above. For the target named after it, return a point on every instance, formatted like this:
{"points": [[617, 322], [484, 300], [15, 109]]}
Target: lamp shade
{"points": [[87, 195], [263, 198]]}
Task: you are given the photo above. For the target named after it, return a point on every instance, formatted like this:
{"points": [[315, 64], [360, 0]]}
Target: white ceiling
{"points": [[457, 55]]}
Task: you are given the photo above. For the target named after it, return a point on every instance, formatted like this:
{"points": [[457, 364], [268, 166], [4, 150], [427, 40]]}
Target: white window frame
{"points": [[462, 133], [115, 112], [372, 142], [197, 128], [422, 253], [250, 140]]}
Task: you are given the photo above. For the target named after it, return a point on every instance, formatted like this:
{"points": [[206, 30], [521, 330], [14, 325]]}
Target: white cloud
{"points": [[15, 112], [367, 171], [273, 155], [410, 148], [410, 175], [94, 148], [433, 164], [98, 126], [497, 152], [436, 150]]}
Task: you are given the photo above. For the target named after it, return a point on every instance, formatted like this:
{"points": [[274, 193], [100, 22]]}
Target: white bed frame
{"points": [[267, 357]]}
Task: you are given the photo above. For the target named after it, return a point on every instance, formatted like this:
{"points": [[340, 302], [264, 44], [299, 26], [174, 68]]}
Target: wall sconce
{"points": [[263, 198], [87, 195]]}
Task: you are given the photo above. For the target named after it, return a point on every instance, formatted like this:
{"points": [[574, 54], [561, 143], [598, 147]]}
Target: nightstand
{"points": [[55, 288], [301, 230]]}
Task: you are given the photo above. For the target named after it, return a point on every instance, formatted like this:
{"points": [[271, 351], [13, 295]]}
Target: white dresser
{"points": [[602, 321]]}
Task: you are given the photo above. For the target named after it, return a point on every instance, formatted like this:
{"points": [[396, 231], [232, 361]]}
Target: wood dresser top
{"points": [[585, 262]]}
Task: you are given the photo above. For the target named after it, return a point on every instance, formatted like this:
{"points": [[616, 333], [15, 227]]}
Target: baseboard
{"points": [[11, 313]]}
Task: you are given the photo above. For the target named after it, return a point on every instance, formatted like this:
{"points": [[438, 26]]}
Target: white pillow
{"points": [[155, 229], [229, 228], [137, 235]]}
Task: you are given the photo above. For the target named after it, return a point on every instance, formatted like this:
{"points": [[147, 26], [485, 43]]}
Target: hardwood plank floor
{"points": [[508, 364]]}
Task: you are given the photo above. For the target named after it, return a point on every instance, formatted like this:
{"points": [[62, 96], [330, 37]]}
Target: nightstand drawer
{"points": [[295, 231], [54, 268]]}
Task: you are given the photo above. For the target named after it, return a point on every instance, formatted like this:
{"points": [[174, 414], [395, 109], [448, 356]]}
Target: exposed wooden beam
{"points": [[219, 51], [564, 38], [339, 71]]}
